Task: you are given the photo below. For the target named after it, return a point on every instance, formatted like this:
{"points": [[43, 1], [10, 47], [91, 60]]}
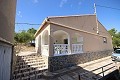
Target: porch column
{"points": [[51, 42], [70, 43], [39, 44]]}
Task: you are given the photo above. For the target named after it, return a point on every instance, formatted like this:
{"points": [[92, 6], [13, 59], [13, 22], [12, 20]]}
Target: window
{"points": [[104, 40]]}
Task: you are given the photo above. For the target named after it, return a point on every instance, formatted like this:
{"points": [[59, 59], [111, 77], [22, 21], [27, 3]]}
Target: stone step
{"points": [[36, 63], [29, 59], [27, 66], [31, 74], [38, 66], [29, 56], [24, 57], [30, 63], [30, 68]]}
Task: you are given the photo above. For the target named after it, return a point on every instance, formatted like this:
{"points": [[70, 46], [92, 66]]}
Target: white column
{"points": [[70, 44]]}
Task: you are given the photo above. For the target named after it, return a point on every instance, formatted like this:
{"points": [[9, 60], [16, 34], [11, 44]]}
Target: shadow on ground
{"points": [[33, 67]]}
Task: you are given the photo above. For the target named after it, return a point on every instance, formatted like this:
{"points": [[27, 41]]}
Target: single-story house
{"points": [[70, 35]]}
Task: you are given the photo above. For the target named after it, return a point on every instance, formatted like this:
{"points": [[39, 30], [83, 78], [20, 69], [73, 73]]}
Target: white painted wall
{"points": [[40, 42]]}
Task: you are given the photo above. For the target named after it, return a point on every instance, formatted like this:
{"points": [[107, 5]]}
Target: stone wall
{"points": [[65, 61]]}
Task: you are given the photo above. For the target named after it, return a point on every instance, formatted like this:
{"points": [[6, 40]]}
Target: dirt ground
{"points": [[23, 48]]}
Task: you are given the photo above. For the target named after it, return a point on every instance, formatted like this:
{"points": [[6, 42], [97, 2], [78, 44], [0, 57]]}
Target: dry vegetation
{"points": [[23, 48]]}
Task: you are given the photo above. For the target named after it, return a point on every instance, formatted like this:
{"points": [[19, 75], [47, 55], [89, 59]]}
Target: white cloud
{"points": [[19, 14], [62, 3], [35, 1]]}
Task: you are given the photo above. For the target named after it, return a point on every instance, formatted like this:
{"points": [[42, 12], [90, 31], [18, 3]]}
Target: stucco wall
{"points": [[7, 19], [39, 40], [81, 22], [91, 42]]}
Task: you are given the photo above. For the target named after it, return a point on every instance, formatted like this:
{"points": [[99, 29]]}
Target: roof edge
{"points": [[71, 16], [45, 20], [5, 41]]}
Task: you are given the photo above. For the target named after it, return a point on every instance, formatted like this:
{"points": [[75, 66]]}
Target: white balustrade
{"points": [[60, 49], [77, 48]]}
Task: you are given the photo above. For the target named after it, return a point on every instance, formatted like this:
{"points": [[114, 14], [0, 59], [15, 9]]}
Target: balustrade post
{"points": [[102, 71]]}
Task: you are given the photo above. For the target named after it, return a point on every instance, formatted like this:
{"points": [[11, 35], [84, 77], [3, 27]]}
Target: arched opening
{"points": [[45, 38], [77, 43], [44, 43], [61, 42]]}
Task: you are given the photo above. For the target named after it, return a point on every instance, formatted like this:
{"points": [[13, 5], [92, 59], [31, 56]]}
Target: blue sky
{"points": [[35, 11]]}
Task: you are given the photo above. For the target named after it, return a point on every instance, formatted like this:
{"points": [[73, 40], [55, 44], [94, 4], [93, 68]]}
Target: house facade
{"points": [[71, 35], [7, 24]]}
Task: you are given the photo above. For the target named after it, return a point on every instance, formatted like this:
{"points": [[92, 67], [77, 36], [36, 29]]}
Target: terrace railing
{"points": [[60, 49]]}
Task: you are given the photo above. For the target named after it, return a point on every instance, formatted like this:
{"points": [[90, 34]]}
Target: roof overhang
{"points": [[41, 26], [5, 41]]}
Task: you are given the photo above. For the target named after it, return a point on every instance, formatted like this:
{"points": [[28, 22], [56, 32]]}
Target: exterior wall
{"points": [[7, 23], [84, 22], [38, 40], [84, 26], [7, 19], [93, 48], [38, 44], [88, 39], [66, 61], [5, 61]]}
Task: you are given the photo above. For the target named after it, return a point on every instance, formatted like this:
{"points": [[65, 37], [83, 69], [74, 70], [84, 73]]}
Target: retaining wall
{"points": [[65, 61]]}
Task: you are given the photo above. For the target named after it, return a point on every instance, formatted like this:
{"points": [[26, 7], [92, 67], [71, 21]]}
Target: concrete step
{"points": [[32, 75], [26, 62], [29, 64], [33, 59], [31, 68], [29, 56]]}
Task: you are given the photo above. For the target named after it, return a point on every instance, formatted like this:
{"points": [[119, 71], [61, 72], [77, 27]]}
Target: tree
{"points": [[113, 32], [22, 37], [115, 37], [32, 31], [25, 36]]}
